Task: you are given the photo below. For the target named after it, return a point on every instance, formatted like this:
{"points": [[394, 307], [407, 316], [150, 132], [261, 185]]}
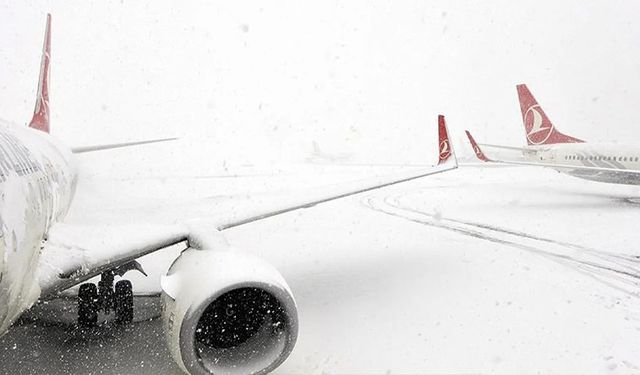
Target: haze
{"points": [[254, 82]]}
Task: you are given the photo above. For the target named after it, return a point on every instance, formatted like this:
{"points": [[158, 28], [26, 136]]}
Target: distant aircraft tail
{"points": [[538, 128], [476, 149], [445, 147], [40, 118]]}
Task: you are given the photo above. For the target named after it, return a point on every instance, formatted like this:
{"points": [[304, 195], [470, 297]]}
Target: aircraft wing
{"points": [[74, 253], [523, 149], [483, 157]]}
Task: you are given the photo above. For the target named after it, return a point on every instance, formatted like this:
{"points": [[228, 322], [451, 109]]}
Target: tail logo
{"points": [[536, 133], [445, 150], [478, 152]]}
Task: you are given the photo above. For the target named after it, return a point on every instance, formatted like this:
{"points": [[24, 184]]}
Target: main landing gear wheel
{"points": [[123, 302], [88, 305], [106, 299], [105, 295]]}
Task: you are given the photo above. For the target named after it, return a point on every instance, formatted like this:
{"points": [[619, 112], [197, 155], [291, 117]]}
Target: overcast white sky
{"points": [[362, 77]]}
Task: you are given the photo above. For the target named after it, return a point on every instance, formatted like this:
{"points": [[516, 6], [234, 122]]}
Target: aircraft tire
{"points": [[123, 302], [88, 305], [105, 296]]}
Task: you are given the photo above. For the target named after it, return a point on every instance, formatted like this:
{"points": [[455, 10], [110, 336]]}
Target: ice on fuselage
{"points": [[36, 186]]}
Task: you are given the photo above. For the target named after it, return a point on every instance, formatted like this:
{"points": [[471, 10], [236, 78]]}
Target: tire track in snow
{"points": [[619, 271]]}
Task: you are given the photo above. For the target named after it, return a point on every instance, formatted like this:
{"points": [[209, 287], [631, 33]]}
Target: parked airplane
{"points": [[548, 147], [223, 311], [318, 156]]}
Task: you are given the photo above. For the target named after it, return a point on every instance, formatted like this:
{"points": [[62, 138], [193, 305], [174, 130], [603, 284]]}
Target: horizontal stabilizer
{"points": [[80, 150]]}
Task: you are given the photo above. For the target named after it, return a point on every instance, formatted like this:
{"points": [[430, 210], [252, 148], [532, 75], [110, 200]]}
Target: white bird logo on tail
{"points": [[445, 150], [536, 133]]}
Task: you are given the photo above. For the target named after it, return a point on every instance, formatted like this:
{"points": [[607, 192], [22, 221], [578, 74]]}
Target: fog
{"points": [[259, 82]]}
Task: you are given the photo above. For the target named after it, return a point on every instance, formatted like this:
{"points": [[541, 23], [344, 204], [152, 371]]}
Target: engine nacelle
{"points": [[227, 312]]}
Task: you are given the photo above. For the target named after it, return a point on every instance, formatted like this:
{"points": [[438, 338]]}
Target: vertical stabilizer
{"points": [[538, 128], [476, 149], [40, 118], [445, 147]]}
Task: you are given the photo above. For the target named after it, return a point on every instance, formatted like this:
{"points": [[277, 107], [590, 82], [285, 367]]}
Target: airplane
{"points": [[223, 310], [319, 156], [548, 147]]}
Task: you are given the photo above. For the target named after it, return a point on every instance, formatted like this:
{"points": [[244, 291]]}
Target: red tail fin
{"points": [[40, 118], [479, 154], [538, 127], [443, 141]]}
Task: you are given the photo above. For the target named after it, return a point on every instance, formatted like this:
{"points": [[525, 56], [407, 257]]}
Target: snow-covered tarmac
{"points": [[480, 270]]}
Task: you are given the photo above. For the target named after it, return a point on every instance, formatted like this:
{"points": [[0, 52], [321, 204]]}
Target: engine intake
{"points": [[227, 312]]}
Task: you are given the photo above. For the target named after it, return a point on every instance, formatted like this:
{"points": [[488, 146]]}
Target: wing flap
{"points": [[75, 253]]}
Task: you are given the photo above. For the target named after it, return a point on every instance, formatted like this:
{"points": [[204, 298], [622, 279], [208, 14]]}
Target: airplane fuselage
{"points": [[37, 184], [590, 155]]}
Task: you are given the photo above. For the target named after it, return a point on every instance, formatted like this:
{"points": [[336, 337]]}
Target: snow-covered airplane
{"points": [[319, 156], [547, 147], [224, 311]]}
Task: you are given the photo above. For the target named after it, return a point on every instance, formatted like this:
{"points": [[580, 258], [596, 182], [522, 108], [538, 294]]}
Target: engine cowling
{"points": [[227, 312]]}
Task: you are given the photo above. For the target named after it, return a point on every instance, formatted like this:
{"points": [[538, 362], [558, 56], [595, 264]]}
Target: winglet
{"points": [[479, 154], [445, 147], [538, 128], [40, 118]]}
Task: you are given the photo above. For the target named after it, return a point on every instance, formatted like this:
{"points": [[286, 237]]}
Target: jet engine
{"points": [[227, 312]]}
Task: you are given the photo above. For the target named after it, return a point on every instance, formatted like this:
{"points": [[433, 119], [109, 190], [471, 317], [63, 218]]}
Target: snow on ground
{"points": [[480, 270]]}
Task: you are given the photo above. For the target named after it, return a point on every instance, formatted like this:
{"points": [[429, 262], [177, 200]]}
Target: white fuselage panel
{"points": [[37, 183], [616, 157]]}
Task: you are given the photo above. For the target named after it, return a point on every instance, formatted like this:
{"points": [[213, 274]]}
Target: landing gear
{"points": [[88, 305], [123, 302], [105, 292], [105, 298]]}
